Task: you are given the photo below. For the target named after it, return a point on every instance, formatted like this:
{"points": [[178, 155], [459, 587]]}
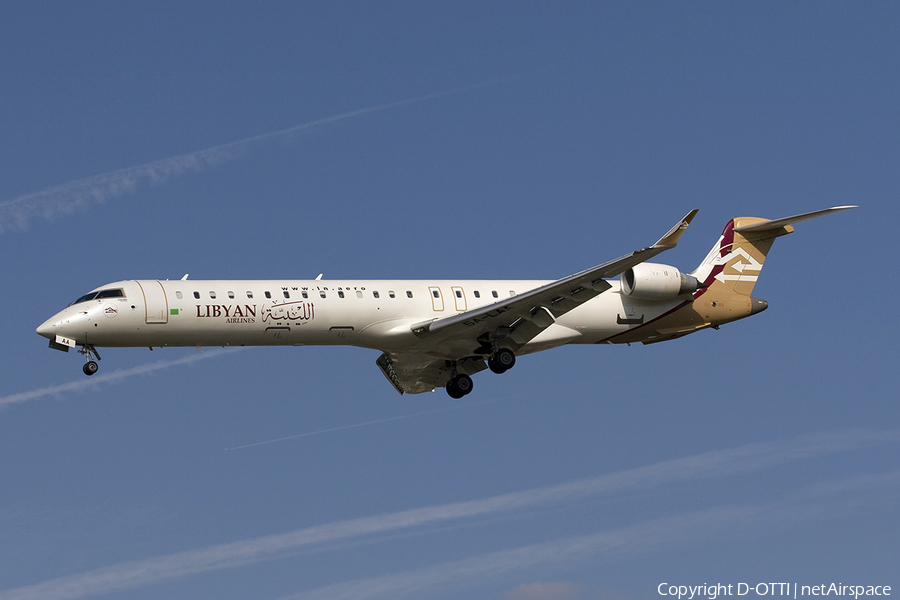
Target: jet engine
{"points": [[651, 281]]}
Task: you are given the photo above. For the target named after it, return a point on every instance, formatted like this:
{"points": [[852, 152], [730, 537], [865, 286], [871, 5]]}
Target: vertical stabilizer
{"points": [[734, 263]]}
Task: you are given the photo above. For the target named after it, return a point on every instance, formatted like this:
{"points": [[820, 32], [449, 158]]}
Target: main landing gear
{"points": [[459, 385], [91, 366], [501, 361]]}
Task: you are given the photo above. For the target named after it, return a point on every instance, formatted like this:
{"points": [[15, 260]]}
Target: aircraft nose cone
{"points": [[47, 329]]}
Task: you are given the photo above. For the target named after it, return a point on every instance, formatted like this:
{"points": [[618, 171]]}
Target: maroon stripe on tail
{"points": [[725, 248]]}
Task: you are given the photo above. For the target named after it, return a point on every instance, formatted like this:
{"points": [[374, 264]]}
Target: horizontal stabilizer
{"points": [[779, 223]]}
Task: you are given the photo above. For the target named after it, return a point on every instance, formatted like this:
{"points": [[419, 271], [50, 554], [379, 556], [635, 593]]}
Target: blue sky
{"points": [[473, 140]]}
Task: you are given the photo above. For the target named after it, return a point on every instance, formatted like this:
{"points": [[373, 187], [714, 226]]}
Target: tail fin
{"points": [[734, 263]]}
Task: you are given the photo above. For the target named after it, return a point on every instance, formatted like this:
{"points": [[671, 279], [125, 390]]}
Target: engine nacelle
{"points": [[651, 281]]}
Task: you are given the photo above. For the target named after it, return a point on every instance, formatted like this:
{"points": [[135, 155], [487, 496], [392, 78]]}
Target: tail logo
{"points": [[738, 260]]}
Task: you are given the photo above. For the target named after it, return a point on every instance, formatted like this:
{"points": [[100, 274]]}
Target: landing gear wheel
{"points": [[459, 386], [89, 353], [501, 361]]}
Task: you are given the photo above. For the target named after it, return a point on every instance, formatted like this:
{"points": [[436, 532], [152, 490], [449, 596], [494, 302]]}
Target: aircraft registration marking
{"points": [[488, 315], [65, 341]]}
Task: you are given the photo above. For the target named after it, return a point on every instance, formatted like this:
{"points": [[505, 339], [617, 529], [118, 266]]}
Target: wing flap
{"points": [[412, 373], [415, 373]]}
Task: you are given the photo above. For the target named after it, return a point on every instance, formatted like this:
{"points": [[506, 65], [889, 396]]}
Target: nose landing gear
{"points": [[91, 366]]}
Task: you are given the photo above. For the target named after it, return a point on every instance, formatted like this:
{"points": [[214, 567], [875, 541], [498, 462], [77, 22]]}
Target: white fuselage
{"points": [[375, 314], [434, 333]]}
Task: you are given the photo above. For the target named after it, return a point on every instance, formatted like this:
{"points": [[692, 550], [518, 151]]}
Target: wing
{"points": [[414, 373], [458, 344], [514, 321]]}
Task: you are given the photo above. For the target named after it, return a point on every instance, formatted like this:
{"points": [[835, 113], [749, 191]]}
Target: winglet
{"points": [[779, 223], [671, 238]]}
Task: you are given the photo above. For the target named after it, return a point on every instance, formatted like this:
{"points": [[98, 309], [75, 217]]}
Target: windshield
{"points": [[98, 295]]}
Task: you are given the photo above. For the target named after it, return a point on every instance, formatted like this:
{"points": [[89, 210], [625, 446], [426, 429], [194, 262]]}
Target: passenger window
{"points": [[212, 295], [358, 294], [494, 294], [408, 294], [512, 293], [375, 294], [458, 294], [321, 293], [391, 294], [340, 294], [231, 295], [197, 295], [250, 294], [477, 294], [435, 293], [268, 294], [179, 295], [304, 294], [287, 294]]}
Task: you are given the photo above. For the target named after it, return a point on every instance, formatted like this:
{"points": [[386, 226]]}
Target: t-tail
{"points": [[730, 270]]}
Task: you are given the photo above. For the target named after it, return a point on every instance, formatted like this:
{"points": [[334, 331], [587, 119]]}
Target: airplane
{"points": [[437, 333]]}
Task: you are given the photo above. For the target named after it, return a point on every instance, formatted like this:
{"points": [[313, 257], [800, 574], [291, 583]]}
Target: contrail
{"points": [[709, 465], [80, 194], [458, 575], [111, 377], [364, 424], [680, 529]]}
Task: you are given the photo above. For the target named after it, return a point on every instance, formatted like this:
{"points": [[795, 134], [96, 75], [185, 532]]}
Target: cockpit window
{"points": [[85, 298], [116, 293]]}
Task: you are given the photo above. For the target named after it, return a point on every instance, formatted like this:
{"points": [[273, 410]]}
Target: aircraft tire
{"points": [[464, 384], [501, 361], [459, 386], [90, 368]]}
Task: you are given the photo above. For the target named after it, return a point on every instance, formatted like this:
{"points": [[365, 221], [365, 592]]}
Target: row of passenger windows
{"points": [[119, 293], [322, 294]]}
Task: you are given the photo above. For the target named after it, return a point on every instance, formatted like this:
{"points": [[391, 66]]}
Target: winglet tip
{"points": [[671, 238]]}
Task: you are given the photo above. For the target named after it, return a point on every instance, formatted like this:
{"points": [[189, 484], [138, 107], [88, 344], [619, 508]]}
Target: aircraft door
{"points": [[437, 300], [459, 297], [155, 305]]}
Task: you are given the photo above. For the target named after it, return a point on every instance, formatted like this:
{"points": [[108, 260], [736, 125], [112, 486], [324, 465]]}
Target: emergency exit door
{"points": [[437, 299]]}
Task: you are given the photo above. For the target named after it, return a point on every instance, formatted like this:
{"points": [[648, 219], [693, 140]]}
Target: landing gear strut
{"points": [[91, 366], [501, 361], [459, 386]]}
